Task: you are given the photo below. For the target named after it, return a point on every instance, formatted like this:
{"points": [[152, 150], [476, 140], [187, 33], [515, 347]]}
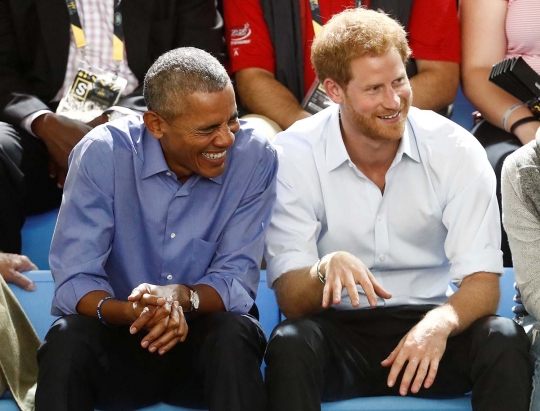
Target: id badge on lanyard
{"points": [[316, 98], [93, 89]]}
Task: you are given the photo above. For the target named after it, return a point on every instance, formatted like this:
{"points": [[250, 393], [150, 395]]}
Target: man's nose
{"points": [[225, 137]]}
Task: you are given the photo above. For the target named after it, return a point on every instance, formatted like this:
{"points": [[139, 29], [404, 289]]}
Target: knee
{"points": [[68, 335], [231, 330], [8, 137], [293, 339], [498, 338]]}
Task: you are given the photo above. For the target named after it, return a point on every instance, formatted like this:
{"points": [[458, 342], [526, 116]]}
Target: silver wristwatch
{"points": [[193, 299]]}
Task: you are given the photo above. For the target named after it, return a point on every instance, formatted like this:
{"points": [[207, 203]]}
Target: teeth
{"points": [[392, 116], [214, 156]]}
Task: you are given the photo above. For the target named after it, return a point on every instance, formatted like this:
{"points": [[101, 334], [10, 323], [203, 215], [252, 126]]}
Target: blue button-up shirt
{"points": [[126, 220]]}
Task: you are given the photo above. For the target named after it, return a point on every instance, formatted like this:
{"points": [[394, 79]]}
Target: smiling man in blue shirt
{"points": [[162, 215]]}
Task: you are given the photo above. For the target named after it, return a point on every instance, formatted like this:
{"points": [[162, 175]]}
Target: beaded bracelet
{"points": [[99, 314], [322, 278], [522, 121]]}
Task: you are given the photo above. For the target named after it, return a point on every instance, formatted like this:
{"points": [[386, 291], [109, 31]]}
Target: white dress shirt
{"points": [[437, 222]]}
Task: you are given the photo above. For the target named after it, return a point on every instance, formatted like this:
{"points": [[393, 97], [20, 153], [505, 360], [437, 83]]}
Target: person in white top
{"points": [[380, 207]]}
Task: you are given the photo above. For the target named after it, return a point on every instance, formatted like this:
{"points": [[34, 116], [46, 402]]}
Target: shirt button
{"points": [[169, 277], [379, 218], [168, 173], [173, 235], [381, 257]]}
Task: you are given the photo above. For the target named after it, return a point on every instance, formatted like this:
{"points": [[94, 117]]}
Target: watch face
{"points": [[194, 300]]}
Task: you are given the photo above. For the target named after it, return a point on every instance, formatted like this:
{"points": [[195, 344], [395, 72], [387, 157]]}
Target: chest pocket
{"points": [[202, 254]]}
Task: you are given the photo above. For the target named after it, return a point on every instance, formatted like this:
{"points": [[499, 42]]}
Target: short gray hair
{"points": [[179, 73]]}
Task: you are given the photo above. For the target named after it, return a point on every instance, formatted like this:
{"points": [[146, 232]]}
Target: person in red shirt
{"points": [[433, 37]]}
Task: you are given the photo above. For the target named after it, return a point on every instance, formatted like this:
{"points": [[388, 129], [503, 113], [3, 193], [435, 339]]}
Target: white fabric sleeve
{"points": [[26, 123]]}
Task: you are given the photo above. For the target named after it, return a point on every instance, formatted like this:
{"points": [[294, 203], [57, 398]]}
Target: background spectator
{"points": [[493, 30], [38, 62], [521, 218], [269, 46]]}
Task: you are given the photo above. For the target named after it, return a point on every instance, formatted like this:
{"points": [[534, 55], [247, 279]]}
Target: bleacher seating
{"points": [[37, 305]]}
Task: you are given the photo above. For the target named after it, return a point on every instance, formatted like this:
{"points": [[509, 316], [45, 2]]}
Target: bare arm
{"points": [[423, 347], [262, 94], [435, 85], [300, 292], [483, 45]]}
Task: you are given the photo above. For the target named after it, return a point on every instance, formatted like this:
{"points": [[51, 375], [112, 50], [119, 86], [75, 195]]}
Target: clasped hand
{"points": [[158, 311]]}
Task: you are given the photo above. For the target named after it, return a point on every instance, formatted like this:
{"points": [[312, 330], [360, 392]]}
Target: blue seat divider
{"points": [[36, 237]]}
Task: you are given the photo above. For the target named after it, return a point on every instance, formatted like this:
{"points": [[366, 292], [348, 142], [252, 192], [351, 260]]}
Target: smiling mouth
{"points": [[391, 116], [214, 156]]}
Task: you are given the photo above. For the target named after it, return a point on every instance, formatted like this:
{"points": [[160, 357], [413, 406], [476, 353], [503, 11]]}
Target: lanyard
{"points": [[78, 32]]}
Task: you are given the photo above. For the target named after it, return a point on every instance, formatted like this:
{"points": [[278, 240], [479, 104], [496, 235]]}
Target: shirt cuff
{"points": [[68, 295], [283, 263], [26, 123], [489, 260], [234, 296]]}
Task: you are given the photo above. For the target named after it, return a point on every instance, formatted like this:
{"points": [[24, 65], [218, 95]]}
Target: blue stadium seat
{"points": [[36, 237]]}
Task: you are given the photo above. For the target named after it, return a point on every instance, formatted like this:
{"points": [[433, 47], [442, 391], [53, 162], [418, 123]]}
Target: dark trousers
{"points": [[25, 185], [85, 365], [337, 355], [498, 144]]}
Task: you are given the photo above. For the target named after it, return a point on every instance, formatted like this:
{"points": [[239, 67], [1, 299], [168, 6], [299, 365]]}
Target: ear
{"points": [[154, 123], [334, 90]]}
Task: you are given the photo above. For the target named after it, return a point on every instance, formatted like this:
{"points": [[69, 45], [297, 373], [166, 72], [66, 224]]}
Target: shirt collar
{"points": [[408, 145], [336, 152], [153, 159]]}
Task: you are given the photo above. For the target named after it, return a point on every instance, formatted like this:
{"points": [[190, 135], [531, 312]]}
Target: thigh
{"points": [[103, 365], [357, 342], [473, 353], [26, 161], [218, 345]]}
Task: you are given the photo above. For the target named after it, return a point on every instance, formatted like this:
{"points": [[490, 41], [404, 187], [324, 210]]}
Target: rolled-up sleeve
{"points": [[83, 234], [291, 242], [472, 218], [235, 269]]}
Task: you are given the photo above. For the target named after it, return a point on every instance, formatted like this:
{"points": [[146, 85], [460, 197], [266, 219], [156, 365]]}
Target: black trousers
{"points": [[498, 144], [25, 185], [85, 365], [336, 355]]}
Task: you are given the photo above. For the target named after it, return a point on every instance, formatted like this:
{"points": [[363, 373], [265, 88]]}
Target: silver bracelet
{"points": [[322, 278], [508, 112]]}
